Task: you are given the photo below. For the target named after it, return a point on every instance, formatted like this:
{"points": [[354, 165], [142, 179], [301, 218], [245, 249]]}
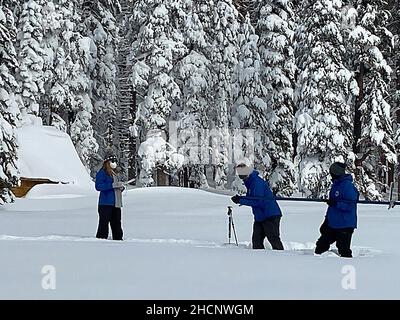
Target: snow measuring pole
{"points": [[231, 226], [390, 203]]}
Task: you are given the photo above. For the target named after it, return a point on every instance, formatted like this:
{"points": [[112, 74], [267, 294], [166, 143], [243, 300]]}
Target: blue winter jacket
{"points": [[104, 184], [344, 213], [265, 207]]}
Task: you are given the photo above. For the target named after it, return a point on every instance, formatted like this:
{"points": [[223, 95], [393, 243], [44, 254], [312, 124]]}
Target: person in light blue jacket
{"points": [[110, 199], [266, 211], [341, 216]]}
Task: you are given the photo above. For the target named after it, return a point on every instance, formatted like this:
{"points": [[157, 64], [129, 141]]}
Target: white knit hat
{"points": [[243, 169]]}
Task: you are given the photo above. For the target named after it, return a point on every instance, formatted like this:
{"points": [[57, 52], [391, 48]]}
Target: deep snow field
{"points": [[175, 248]]}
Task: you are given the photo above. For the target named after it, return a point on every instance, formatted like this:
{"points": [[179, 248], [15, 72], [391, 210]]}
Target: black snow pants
{"points": [[268, 228], [342, 237], [109, 215]]}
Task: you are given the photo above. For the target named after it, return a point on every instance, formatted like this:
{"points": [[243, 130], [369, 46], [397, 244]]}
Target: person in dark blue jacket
{"points": [[266, 211], [341, 217], [110, 200]]}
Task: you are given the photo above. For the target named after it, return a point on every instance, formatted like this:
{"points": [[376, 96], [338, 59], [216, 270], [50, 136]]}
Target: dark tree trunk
{"points": [[70, 121], [132, 161], [357, 112], [186, 173], [162, 177], [295, 136]]}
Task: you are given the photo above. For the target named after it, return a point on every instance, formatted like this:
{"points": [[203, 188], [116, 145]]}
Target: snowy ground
{"points": [[174, 249]]}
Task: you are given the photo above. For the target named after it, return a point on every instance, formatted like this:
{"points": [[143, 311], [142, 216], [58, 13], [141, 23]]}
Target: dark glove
{"points": [[331, 202], [236, 199]]}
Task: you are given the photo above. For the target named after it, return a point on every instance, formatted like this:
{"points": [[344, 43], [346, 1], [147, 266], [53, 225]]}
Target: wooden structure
{"points": [[27, 184]]}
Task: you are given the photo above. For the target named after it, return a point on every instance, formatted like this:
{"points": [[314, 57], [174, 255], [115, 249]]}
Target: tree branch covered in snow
{"points": [[276, 29], [374, 143], [323, 117], [9, 106]]}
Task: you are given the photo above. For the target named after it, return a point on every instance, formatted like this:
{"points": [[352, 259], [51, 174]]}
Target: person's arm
{"points": [[102, 184], [245, 201], [260, 195], [349, 198]]}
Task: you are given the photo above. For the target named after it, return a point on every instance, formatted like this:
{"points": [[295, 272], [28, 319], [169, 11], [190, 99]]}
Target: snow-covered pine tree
{"points": [[60, 72], [158, 47], [52, 28], [276, 29], [394, 100], [394, 89], [30, 53], [100, 26], [82, 131], [80, 114], [323, 118], [395, 27], [247, 91], [249, 7], [126, 97], [113, 6], [192, 117], [61, 68], [14, 6], [153, 54], [203, 10], [373, 134], [223, 59], [9, 105]]}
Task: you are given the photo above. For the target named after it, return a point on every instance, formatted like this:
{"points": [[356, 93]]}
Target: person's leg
{"points": [[326, 239], [116, 227], [105, 213], [343, 242], [271, 229], [258, 235]]}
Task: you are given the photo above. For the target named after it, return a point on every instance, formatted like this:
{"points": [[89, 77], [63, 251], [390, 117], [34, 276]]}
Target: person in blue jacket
{"points": [[341, 217], [110, 199], [266, 211]]}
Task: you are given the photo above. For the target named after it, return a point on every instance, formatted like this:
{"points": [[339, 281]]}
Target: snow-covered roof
{"points": [[46, 152]]}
